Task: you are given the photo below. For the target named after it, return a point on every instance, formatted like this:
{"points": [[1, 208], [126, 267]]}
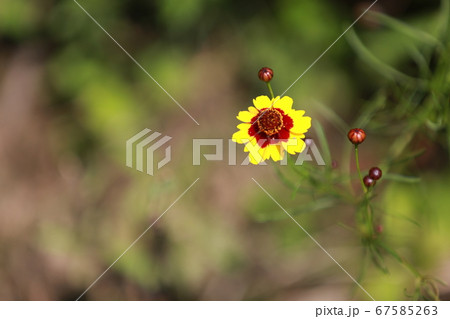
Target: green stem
{"points": [[370, 216], [402, 261], [359, 170], [270, 90]]}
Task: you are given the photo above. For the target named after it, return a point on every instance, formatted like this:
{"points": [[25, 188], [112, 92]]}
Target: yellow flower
{"points": [[270, 128]]}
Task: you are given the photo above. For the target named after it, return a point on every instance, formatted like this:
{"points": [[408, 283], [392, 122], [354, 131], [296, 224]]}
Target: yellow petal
{"points": [[245, 116], [253, 160], [301, 124], [265, 152], [251, 144], [244, 126], [296, 113], [241, 135], [285, 103], [256, 154], [262, 102], [253, 110], [275, 152], [294, 145], [262, 155]]}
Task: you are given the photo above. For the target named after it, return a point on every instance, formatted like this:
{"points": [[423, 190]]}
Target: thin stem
{"points": [[359, 170], [270, 90], [370, 215]]}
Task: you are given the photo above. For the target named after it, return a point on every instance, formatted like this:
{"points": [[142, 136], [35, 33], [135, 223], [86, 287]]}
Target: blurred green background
{"points": [[70, 98]]}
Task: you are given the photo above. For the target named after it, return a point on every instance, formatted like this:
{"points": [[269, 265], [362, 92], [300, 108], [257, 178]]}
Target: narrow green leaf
{"points": [[420, 60], [286, 181], [379, 66], [347, 227], [325, 148], [310, 207], [319, 204], [302, 173], [371, 110], [407, 158], [403, 28], [401, 178], [400, 259], [439, 281], [378, 259], [391, 252], [403, 217], [399, 145], [329, 114], [445, 17]]}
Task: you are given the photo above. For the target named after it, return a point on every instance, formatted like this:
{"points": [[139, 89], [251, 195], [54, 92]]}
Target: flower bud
{"points": [[375, 173], [369, 182], [356, 136], [265, 74]]}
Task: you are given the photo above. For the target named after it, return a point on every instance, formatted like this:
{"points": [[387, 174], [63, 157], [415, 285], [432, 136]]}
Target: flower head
{"points": [[356, 136], [265, 74], [270, 128]]}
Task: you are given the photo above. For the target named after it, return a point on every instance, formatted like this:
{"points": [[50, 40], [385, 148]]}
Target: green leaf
{"points": [[445, 16], [323, 142], [391, 252], [407, 158], [274, 215], [379, 66], [399, 258], [378, 259], [286, 181], [403, 217], [420, 60], [332, 117], [371, 110], [301, 171], [347, 227], [399, 145], [401, 178], [403, 28], [319, 204], [439, 281]]}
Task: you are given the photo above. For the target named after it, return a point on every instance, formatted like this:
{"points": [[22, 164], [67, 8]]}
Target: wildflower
{"points": [[375, 173], [270, 128], [265, 74], [356, 136]]}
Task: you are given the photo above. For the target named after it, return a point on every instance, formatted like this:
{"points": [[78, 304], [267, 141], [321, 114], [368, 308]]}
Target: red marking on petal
{"points": [[288, 123], [284, 134]]}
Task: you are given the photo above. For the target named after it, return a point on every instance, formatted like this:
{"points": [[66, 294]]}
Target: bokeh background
{"points": [[70, 98]]}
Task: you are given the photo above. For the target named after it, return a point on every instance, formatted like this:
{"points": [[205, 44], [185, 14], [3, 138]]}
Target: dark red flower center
{"points": [[270, 126], [270, 121]]}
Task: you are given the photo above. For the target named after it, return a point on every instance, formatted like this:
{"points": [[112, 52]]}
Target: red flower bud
{"points": [[375, 173], [265, 74], [356, 135], [369, 182]]}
